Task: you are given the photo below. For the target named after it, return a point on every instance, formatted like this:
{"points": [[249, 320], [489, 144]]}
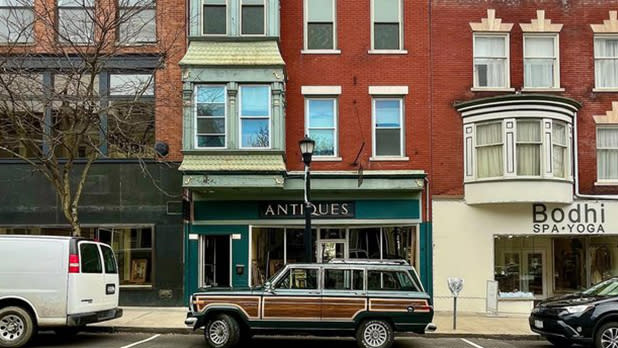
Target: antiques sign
{"points": [[577, 218], [319, 210]]}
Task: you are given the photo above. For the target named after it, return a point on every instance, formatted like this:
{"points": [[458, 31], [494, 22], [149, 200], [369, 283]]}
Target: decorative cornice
{"points": [[540, 25], [610, 117], [491, 23], [609, 25]]}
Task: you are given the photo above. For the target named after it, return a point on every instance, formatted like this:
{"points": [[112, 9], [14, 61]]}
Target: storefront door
{"points": [[216, 264]]}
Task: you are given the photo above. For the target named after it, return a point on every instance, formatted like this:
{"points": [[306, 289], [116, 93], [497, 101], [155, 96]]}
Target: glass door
{"points": [[216, 262]]}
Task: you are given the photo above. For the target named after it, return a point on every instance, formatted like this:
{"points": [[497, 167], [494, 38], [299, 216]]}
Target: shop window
{"points": [[255, 117], [520, 266], [214, 13], [569, 264], [267, 251], [133, 247], [390, 281], [364, 243], [541, 61], [388, 127], [87, 232], [299, 278], [137, 21], [387, 25], [16, 21], [320, 33], [607, 153], [76, 21], [340, 279], [398, 243], [606, 62], [321, 125], [491, 62], [253, 16], [295, 244]]}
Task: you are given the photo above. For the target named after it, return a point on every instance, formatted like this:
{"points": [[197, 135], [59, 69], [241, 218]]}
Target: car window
{"points": [[299, 278], [343, 279], [90, 258], [110, 261], [390, 280]]}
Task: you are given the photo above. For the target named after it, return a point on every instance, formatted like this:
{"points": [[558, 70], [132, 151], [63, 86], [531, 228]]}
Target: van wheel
{"points": [[375, 334], [16, 327], [222, 331], [606, 336]]}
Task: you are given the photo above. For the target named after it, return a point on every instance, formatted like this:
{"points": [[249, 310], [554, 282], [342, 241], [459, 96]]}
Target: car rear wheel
{"points": [[559, 342], [222, 331], [607, 336], [375, 334], [16, 327]]}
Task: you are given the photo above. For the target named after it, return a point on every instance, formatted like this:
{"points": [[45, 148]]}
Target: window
{"points": [[137, 23], [607, 153], [299, 278], [320, 33], [560, 149], [255, 117], [253, 17], [110, 261], [489, 162], [386, 26], [76, 21], [528, 147], [388, 130], [606, 62], [541, 62], [90, 258], [340, 279], [491, 61], [322, 125], [16, 21], [390, 280], [215, 17], [133, 249], [210, 116]]}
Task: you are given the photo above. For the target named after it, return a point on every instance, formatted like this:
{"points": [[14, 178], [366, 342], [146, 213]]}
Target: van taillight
{"points": [[73, 263]]}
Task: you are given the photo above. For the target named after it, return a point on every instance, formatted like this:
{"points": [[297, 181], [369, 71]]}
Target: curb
{"points": [[149, 330]]}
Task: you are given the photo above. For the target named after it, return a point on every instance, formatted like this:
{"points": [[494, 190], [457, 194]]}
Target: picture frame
{"points": [[138, 270]]}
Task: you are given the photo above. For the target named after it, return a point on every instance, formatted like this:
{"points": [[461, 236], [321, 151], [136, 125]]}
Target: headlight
{"points": [[577, 309]]}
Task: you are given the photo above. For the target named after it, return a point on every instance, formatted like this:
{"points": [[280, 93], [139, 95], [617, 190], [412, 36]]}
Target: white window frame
{"points": [[517, 142], [59, 24], [306, 48], [265, 27], [25, 27], [401, 129], [596, 58], [507, 64], [335, 127], [605, 126], [227, 22], [566, 160], [195, 117], [240, 118], [401, 49], [476, 146], [556, 57]]}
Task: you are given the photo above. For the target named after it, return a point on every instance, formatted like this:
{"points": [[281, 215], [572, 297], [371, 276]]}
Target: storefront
{"points": [[532, 250]]}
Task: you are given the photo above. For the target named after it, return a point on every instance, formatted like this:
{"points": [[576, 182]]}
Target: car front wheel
{"points": [[222, 331], [375, 334], [607, 336], [16, 327]]}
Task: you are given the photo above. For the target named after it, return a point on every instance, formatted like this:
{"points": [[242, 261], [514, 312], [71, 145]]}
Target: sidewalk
{"points": [[171, 320]]}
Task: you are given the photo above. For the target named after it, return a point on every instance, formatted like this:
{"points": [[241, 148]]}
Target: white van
{"points": [[60, 283]]}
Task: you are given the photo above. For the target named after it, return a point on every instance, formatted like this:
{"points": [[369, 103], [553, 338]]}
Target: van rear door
{"points": [[111, 276], [86, 283]]}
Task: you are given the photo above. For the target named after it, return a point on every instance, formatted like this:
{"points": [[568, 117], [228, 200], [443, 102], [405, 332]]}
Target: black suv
{"points": [[587, 317]]}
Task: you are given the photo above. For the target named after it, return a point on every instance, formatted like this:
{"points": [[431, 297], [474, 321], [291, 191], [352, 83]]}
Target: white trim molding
{"points": [[491, 23], [388, 90], [610, 117], [320, 90], [609, 26], [540, 24]]}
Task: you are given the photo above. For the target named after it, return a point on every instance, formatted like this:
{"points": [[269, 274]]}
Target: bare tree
{"points": [[55, 112]]}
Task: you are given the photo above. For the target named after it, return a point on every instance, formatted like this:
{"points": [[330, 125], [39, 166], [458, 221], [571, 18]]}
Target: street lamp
{"points": [[306, 149]]}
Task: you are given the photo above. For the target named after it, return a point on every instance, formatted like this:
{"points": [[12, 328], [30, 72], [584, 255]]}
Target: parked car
{"points": [[370, 300], [587, 317], [60, 283]]}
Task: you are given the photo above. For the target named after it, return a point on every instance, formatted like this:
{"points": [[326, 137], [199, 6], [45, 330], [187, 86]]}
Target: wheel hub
{"points": [[11, 328], [609, 338]]}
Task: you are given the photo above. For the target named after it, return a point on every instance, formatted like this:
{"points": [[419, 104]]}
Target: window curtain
{"points": [[528, 148], [559, 149], [607, 153], [490, 62], [539, 62], [489, 150], [606, 62]]}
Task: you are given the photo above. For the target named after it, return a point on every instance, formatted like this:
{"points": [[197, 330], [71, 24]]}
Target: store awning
{"points": [[233, 163], [251, 53]]}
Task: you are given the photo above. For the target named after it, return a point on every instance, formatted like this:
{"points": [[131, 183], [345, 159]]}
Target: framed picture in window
{"points": [[138, 270]]}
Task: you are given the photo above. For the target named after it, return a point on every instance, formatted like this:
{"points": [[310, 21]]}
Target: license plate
{"points": [[538, 324]]}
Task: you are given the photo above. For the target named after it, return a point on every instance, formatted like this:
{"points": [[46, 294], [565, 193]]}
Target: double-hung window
{"points": [[214, 17], [76, 21], [255, 113], [16, 21], [606, 62], [607, 153], [388, 138], [491, 63], [386, 26], [137, 22], [320, 32], [210, 116], [528, 147], [321, 123], [541, 69], [489, 144], [253, 17], [560, 146]]}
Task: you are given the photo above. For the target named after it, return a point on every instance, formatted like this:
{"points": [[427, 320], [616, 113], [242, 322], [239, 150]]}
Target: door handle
{"points": [[314, 292], [87, 300]]}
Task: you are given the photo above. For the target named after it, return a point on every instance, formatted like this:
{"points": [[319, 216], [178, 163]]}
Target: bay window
{"points": [[489, 162], [321, 121], [255, 116], [606, 62], [528, 147], [541, 62], [491, 62], [214, 17], [560, 148], [210, 116], [607, 153], [253, 15]]}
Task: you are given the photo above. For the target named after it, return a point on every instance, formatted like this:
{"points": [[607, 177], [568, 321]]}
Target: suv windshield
{"points": [[606, 288]]}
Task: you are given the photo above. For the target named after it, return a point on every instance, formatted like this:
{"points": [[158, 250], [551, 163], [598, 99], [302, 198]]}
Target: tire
{"points": [[606, 331], [16, 327], [375, 334], [559, 342], [222, 331]]}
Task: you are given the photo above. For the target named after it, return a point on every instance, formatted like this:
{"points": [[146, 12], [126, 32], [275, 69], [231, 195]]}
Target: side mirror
{"points": [[268, 287]]}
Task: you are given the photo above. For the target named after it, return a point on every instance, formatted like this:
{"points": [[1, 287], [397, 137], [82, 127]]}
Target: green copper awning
{"points": [[205, 53], [233, 163]]}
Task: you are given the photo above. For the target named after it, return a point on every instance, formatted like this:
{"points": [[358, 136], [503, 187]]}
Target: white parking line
{"points": [[472, 343], [142, 341]]}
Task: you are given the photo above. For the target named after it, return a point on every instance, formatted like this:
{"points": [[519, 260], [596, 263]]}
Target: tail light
{"points": [[73, 263]]}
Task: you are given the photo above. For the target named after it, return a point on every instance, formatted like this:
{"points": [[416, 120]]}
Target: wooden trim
{"points": [[249, 305], [338, 308], [291, 308], [399, 305]]}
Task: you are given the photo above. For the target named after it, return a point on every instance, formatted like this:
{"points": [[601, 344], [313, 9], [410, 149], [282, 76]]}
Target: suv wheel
{"points": [[222, 331], [607, 336], [16, 327], [375, 334], [559, 342]]}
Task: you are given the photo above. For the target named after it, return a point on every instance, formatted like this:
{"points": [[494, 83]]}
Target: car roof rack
{"points": [[400, 262]]}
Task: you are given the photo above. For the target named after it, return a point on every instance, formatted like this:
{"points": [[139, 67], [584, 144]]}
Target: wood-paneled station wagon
{"points": [[368, 299]]}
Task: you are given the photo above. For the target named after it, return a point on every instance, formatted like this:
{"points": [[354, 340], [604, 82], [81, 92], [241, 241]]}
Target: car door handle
{"points": [[314, 292], [87, 300]]}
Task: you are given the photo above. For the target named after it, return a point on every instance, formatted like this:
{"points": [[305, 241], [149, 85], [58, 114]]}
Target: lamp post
{"points": [[306, 149]]}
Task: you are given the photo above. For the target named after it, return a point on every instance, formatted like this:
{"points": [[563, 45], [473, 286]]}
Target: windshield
{"points": [[606, 288], [272, 278]]}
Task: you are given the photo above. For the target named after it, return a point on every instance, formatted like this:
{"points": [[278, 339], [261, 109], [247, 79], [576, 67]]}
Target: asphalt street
{"points": [[126, 340]]}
